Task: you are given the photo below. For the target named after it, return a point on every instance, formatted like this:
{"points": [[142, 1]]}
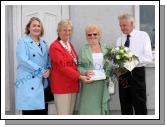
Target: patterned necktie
{"points": [[127, 43]]}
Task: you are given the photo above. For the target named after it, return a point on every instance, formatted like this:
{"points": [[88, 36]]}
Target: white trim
{"points": [[82, 2], [7, 83], [137, 16], [65, 12], [17, 33]]}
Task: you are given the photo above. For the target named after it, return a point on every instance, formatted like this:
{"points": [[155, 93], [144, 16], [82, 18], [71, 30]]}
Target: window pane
{"points": [[147, 21]]}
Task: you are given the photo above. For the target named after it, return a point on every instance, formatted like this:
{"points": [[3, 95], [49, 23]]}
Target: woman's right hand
{"points": [[46, 73], [85, 79]]}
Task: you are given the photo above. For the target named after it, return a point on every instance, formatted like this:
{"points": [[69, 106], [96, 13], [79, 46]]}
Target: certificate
{"points": [[98, 75]]}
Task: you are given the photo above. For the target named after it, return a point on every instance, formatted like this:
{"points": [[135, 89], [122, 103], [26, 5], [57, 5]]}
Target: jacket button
{"points": [[33, 76], [32, 88], [33, 55]]}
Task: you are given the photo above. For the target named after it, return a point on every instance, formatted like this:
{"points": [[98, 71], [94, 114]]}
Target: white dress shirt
{"points": [[140, 45]]}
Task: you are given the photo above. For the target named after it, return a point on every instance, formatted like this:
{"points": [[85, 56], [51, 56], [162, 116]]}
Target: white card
{"points": [[98, 75]]}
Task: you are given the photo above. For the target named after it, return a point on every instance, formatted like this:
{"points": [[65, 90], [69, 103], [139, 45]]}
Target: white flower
{"points": [[113, 50], [117, 48], [117, 57], [125, 55], [126, 49], [130, 54], [121, 51]]}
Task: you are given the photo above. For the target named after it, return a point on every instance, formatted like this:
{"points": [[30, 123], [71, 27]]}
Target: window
{"points": [[147, 21]]}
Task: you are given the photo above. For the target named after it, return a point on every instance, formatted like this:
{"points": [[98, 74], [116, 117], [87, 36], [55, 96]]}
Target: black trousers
{"points": [[36, 112], [132, 92]]}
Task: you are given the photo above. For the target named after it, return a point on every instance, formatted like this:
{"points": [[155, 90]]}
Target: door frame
{"points": [[17, 33]]}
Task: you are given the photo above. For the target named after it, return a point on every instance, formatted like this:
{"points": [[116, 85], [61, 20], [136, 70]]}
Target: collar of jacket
{"points": [[34, 46], [89, 53]]}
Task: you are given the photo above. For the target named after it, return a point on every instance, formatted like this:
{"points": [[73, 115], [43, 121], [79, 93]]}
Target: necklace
{"points": [[69, 50], [38, 44]]}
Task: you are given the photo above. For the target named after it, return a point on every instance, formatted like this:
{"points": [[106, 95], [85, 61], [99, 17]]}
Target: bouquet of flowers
{"points": [[122, 59]]}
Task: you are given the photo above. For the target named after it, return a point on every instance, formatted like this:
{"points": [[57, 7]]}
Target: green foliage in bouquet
{"points": [[122, 59], [120, 55]]}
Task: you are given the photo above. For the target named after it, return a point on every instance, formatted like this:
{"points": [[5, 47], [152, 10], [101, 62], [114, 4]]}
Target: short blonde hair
{"points": [[91, 27], [64, 22], [27, 31], [128, 17]]}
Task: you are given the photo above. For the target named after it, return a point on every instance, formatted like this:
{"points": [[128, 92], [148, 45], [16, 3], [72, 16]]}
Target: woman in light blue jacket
{"points": [[32, 70]]}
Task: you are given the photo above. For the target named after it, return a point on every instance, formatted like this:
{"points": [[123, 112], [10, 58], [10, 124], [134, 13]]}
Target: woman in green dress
{"points": [[94, 97]]}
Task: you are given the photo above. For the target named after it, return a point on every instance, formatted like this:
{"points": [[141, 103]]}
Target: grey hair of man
{"points": [[127, 17]]}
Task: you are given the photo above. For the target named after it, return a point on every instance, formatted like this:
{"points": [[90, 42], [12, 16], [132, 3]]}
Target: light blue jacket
{"points": [[31, 63]]}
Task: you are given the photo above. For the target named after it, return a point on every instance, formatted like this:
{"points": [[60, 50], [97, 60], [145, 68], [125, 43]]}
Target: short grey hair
{"points": [[64, 22], [128, 17]]}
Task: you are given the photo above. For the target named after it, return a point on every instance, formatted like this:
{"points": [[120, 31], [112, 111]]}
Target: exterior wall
{"points": [[105, 16]]}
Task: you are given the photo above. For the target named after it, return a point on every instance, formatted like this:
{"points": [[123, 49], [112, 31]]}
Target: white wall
{"points": [[106, 16]]}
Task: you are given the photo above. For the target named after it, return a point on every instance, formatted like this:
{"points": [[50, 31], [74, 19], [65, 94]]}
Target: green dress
{"points": [[94, 97]]}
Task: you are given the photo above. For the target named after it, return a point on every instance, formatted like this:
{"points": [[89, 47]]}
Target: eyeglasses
{"points": [[94, 34]]}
